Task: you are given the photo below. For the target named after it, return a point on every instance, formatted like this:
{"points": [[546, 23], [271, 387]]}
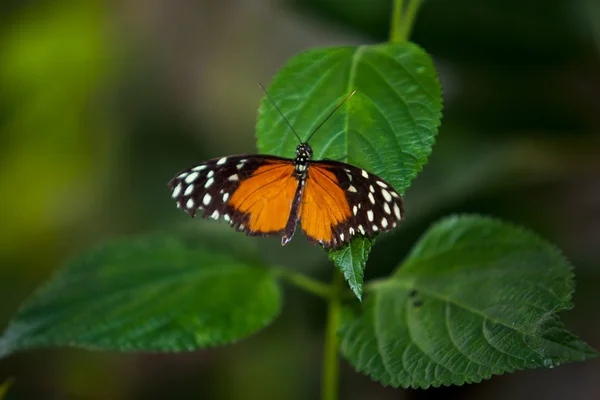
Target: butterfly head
{"points": [[303, 155]]}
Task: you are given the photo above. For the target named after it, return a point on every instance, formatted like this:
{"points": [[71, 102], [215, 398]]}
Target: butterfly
{"points": [[265, 195]]}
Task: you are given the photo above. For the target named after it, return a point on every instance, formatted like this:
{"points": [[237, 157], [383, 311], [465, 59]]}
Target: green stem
{"points": [[396, 32], [304, 282], [409, 17], [331, 360], [403, 19]]}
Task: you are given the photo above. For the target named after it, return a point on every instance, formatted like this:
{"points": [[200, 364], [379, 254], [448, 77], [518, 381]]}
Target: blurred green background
{"points": [[101, 103]]}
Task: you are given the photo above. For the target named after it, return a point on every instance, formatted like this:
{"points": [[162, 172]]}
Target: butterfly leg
{"points": [[290, 227]]}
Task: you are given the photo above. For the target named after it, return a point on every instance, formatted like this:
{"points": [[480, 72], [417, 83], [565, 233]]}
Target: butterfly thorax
{"points": [[303, 155]]}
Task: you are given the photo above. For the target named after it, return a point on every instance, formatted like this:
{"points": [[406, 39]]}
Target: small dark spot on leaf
{"points": [[417, 303], [412, 293]]}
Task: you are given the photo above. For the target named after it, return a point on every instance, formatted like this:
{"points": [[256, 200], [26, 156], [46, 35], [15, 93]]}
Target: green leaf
{"points": [[162, 292], [388, 127], [351, 261], [475, 297]]}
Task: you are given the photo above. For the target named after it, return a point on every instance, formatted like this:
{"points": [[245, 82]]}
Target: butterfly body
{"points": [[265, 195]]}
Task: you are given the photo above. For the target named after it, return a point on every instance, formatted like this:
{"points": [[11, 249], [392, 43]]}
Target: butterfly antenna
{"points": [[277, 108], [330, 114]]}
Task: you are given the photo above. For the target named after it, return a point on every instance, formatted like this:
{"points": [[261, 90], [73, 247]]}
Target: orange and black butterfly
{"points": [[264, 195]]}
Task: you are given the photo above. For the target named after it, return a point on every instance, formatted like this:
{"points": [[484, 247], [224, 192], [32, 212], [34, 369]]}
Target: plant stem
{"points": [[330, 382], [396, 31], [403, 20], [304, 282], [409, 17]]}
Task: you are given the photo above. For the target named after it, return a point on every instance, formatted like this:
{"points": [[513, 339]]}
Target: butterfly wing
{"points": [[254, 193], [341, 201]]}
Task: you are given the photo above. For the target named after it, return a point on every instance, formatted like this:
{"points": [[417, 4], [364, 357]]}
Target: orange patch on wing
{"points": [[324, 205], [267, 197]]}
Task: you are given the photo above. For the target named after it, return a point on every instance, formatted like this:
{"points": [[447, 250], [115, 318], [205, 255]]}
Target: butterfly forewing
{"points": [[237, 188], [370, 204]]}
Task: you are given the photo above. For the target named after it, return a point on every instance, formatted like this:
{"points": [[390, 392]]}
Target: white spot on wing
{"points": [[375, 229], [396, 195], [397, 211], [189, 190], [177, 190], [383, 185], [351, 230], [351, 189], [234, 177], [342, 237], [386, 208], [190, 203], [210, 174], [370, 215], [182, 175], [199, 168], [206, 199], [222, 161], [371, 189], [191, 177], [355, 210], [384, 223], [365, 174], [225, 197], [361, 229], [208, 183], [215, 215], [386, 195], [226, 217], [371, 198]]}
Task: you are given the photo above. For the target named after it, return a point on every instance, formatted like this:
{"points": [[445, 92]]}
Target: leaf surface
{"points": [[351, 260], [163, 292], [475, 297]]}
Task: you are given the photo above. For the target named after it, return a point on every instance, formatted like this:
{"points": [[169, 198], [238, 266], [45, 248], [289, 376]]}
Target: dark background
{"points": [[101, 103]]}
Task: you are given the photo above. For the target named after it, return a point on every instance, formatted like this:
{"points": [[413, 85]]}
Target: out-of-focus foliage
{"points": [[4, 387], [54, 62]]}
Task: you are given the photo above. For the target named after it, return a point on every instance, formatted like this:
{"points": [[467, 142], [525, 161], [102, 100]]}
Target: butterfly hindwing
{"points": [[324, 207], [354, 202], [248, 191]]}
